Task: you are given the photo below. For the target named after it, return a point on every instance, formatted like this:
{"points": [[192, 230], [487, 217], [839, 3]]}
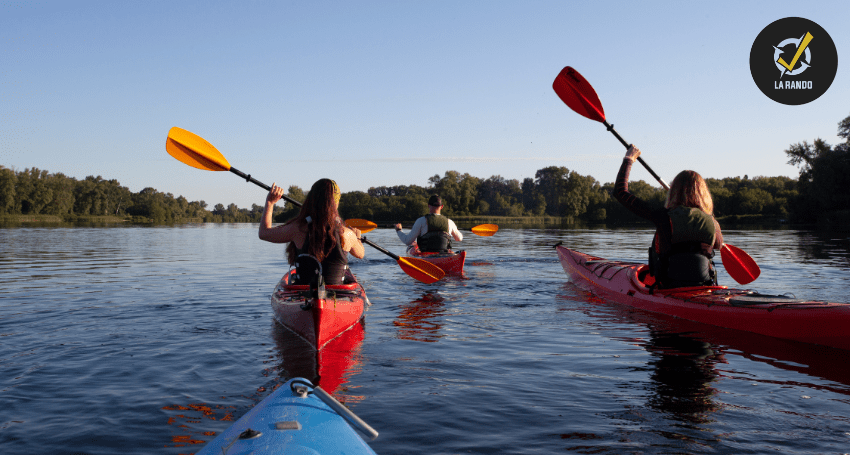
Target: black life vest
{"points": [[333, 266], [437, 239], [688, 262]]}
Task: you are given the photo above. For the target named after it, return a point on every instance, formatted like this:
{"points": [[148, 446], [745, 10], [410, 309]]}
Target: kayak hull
{"points": [[816, 322], [452, 262], [317, 320], [290, 424]]}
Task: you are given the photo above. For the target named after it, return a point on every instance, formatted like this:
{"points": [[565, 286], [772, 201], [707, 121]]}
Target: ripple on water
{"points": [[154, 340]]}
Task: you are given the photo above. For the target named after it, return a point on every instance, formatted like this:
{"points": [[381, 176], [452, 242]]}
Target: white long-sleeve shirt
{"points": [[420, 227]]}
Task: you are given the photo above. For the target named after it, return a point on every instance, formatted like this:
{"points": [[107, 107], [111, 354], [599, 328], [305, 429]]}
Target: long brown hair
{"points": [[689, 189], [324, 227]]}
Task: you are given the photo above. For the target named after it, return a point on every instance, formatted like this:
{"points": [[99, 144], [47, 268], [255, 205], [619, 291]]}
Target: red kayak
{"points": [[817, 322], [319, 320], [451, 262]]}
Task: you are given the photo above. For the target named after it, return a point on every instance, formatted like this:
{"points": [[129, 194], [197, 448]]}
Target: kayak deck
{"points": [[451, 262], [318, 320], [292, 420], [808, 321]]}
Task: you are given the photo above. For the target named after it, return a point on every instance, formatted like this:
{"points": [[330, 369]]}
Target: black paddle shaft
{"points": [[404, 227], [248, 178], [626, 145], [379, 248]]}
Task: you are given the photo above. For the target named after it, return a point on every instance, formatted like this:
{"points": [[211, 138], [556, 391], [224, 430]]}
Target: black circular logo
{"points": [[793, 61]]}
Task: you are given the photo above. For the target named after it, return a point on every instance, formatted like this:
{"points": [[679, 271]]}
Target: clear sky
{"points": [[391, 93]]}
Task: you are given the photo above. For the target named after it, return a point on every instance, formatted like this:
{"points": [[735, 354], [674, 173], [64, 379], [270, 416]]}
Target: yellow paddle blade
{"points": [[364, 225], [194, 150], [485, 230], [421, 270]]}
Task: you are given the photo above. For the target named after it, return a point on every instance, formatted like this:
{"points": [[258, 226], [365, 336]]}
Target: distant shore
{"points": [[835, 220], [100, 219]]}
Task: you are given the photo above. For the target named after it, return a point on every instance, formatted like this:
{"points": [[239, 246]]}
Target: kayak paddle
{"points": [[484, 230], [195, 151], [420, 269], [579, 95], [739, 264], [363, 225]]}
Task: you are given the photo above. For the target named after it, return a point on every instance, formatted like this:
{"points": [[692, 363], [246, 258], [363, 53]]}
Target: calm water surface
{"points": [[154, 340]]}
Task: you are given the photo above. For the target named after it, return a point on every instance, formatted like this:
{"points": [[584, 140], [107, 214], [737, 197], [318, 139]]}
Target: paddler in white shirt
{"points": [[433, 232]]}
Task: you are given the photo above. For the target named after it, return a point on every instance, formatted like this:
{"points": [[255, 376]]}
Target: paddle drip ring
{"points": [[610, 127]]}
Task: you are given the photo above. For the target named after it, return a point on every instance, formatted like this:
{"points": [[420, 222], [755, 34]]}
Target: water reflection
{"points": [[682, 376], [699, 348], [420, 320], [331, 367], [831, 246]]}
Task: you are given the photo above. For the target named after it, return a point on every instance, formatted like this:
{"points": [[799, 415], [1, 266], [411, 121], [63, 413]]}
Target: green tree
{"points": [[529, 194], [580, 191], [62, 188], [752, 201], [415, 206], [33, 191], [357, 204], [551, 183], [8, 181], [458, 191], [503, 197], [824, 175]]}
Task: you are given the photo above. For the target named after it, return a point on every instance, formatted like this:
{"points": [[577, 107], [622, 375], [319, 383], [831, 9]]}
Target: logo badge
{"points": [[793, 61]]}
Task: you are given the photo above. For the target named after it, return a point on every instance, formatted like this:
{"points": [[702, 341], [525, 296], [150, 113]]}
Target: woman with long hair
{"points": [[316, 231], [686, 233]]}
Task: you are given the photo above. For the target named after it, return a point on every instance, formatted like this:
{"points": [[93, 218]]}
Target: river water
{"points": [[145, 340]]}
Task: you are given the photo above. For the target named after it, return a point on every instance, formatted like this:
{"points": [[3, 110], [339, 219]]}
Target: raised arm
{"points": [[621, 187], [280, 234], [419, 227], [352, 244]]}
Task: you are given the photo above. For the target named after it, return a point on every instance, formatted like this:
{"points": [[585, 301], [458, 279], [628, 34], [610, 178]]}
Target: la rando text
{"points": [[792, 85]]}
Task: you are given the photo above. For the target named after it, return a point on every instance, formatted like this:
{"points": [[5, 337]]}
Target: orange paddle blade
{"points": [[741, 267], [421, 270], [194, 150], [485, 230], [364, 225]]}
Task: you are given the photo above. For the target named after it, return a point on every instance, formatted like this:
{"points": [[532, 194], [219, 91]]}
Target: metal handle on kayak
{"points": [[352, 419]]}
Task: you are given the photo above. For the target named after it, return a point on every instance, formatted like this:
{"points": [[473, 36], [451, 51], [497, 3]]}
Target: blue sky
{"points": [[392, 93]]}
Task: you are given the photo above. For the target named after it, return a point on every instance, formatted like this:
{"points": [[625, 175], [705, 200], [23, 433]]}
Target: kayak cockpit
{"points": [[644, 282]]}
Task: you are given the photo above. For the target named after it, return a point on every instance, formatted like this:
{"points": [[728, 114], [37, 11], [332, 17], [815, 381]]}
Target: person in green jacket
{"points": [[686, 232]]}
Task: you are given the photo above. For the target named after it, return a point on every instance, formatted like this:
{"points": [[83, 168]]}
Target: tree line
{"points": [[37, 192], [555, 191]]}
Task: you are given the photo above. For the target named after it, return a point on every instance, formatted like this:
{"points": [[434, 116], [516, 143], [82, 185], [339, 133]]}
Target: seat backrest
{"points": [[308, 271]]}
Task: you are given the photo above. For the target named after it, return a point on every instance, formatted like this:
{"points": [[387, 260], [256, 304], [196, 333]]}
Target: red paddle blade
{"points": [[741, 267], [576, 92]]}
